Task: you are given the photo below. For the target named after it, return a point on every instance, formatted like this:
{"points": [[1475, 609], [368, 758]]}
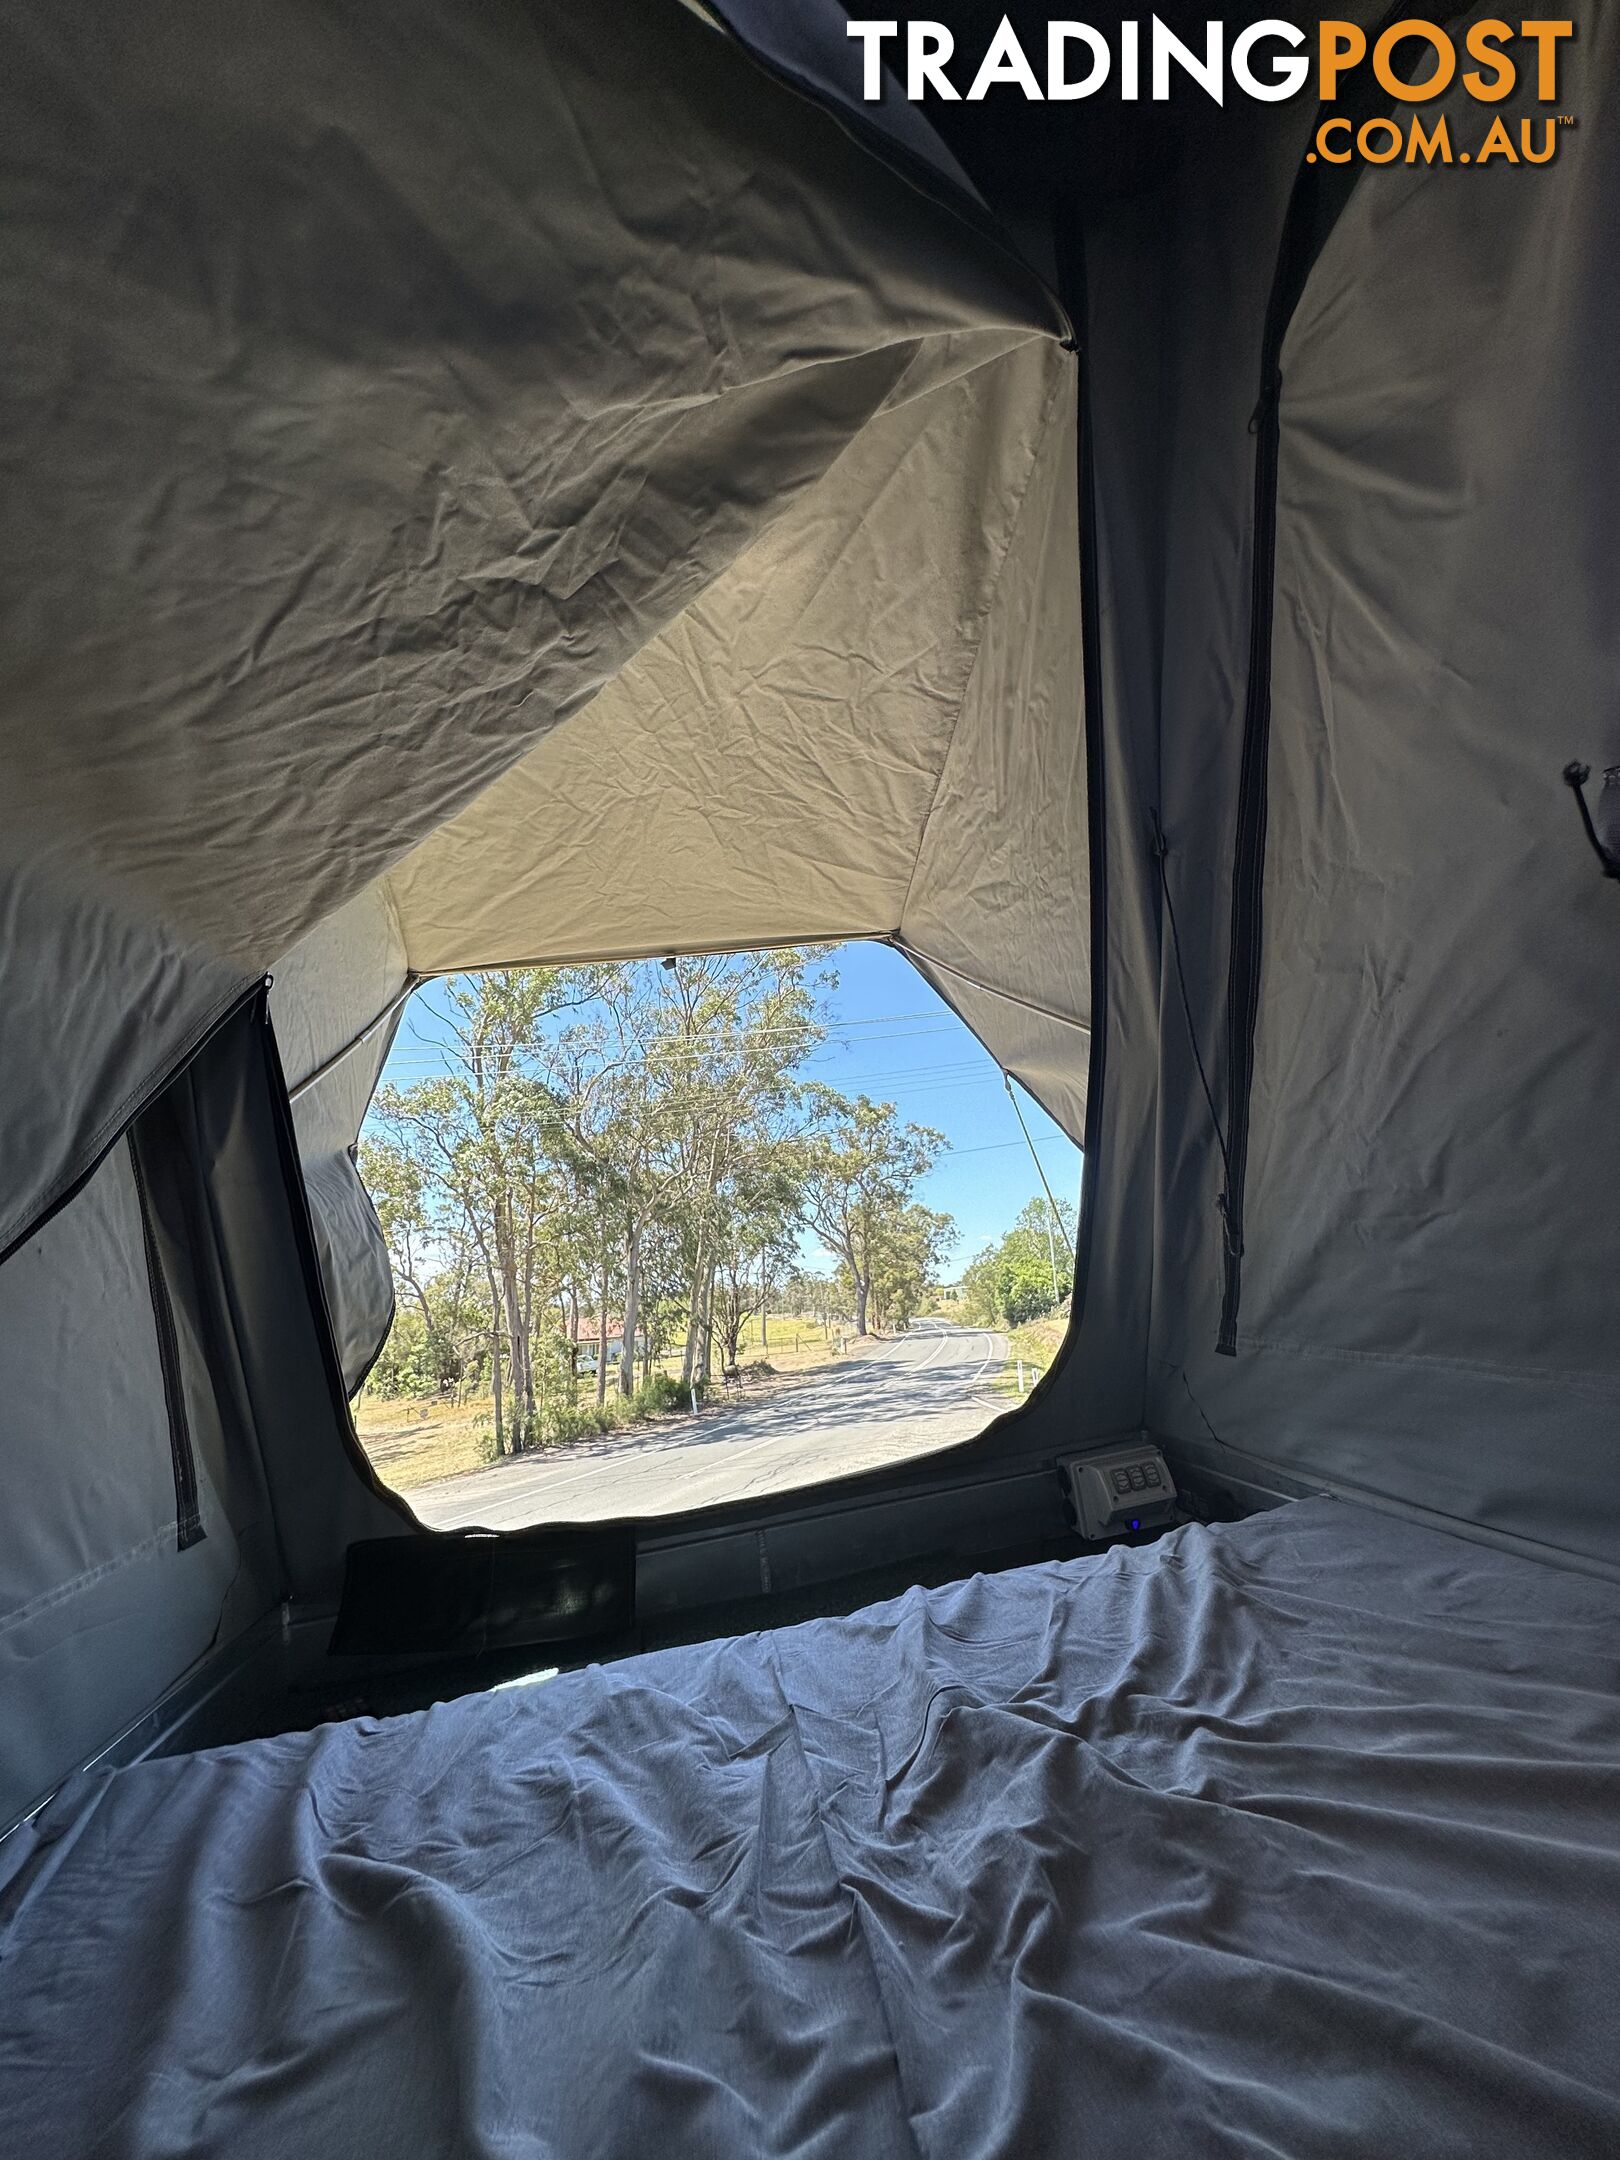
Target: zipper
{"points": [[1249, 850], [1320, 193], [187, 1508]]}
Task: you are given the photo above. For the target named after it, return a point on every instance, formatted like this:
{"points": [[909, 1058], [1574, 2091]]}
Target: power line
{"points": [[991, 1147], [900, 1082], [825, 1051], [944, 1022], [922, 1079], [925, 1067]]}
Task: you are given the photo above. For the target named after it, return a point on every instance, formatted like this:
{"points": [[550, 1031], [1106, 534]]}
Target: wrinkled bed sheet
{"points": [[1298, 1837]]}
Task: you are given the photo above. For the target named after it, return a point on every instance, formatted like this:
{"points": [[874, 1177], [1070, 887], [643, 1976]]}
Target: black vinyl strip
{"points": [[187, 1506]]}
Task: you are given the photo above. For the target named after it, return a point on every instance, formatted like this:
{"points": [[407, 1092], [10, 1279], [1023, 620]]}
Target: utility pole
{"points": [[1051, 1241]]}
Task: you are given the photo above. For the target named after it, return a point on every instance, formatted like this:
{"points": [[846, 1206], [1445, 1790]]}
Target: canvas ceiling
{"points": [[867, 726], [492, 485]]}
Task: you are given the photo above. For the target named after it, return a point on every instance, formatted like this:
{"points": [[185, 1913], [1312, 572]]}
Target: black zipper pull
{"points": [[1607, 851]]}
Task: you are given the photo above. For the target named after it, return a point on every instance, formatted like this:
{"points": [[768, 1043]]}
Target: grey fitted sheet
{"points": [[1297, 1837]]}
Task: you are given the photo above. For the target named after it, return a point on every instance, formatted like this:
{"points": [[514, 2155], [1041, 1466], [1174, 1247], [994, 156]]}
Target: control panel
{"points": [[1119, 1489]]}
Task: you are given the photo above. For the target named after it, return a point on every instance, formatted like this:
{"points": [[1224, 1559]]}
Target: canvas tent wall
{"points": [[1428, 1314], [444, 450]]}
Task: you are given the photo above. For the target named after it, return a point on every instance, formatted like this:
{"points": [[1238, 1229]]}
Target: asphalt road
{"points": [[884, 1402]]}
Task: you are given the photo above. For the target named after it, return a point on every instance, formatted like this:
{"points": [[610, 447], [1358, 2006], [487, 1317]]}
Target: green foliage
{"points": [[1025, 1281], [980, 1301], [580, 1421], [658, 1396], [567, 1422], [1012, 1281], [434, 1347], [401, 1367]]}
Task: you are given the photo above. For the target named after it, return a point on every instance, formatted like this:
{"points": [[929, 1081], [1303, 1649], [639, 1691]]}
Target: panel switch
{"points": [[1118, 1489]]}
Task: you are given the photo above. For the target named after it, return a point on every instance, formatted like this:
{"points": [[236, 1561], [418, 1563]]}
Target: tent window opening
{"points": [[670, 1233]]}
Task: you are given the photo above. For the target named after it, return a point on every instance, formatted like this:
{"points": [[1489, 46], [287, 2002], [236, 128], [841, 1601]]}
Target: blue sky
{"points": [[890, 1037]]}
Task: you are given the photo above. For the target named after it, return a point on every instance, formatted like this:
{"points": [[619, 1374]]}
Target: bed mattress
{"points": [[1297, 1837]]}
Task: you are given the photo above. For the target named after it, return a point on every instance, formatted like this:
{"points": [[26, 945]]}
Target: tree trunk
{"points": [[495, 1382], [534, 1396], [764, 1309], [632, 1301], [430, 1332], [517, 1359], [731, 1323], [455, 1342], [706, 1340], [495, 1355], [860, 1305], [517, 1336], [694, 1324], [602, 1338]]}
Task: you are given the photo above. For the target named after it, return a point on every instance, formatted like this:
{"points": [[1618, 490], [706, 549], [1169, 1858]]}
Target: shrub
{"points": [[658, 1396], [581, 1421]]}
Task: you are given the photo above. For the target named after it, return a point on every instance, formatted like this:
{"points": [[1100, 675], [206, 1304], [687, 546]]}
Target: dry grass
{"points": [[795, 1345], [414, 1441], [1036, 1343]]}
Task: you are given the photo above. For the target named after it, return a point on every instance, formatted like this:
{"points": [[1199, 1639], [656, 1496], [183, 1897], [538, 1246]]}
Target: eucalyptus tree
{"points": [[755, 1239], [482, 1138], [732, 1031], [400, 1193], [858, 1166], [906, 1254]]}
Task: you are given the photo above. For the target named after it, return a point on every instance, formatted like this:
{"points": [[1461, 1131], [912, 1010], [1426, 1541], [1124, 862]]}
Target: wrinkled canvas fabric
{"points": [[1287, 1837], [382, 392]]}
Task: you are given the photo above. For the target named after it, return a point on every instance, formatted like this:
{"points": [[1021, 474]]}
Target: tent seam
{"points": [[61, 1593], [922, 962], [1008, 997]]}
